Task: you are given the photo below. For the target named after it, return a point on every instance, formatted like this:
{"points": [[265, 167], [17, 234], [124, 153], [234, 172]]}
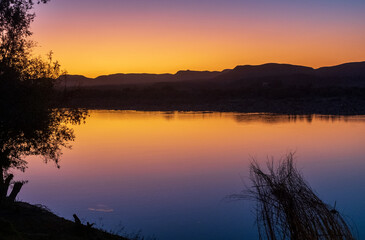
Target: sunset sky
{"points": [[94, 37]]}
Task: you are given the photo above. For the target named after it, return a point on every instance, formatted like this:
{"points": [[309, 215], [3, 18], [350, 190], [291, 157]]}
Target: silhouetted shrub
{"points": [[287, 208]]}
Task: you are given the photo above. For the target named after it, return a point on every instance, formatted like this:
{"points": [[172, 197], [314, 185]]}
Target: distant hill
{"points": [[272, 74], [113, 80], [348, 74], [265, 70], [356, 69], [134, 78], [195, 75]]}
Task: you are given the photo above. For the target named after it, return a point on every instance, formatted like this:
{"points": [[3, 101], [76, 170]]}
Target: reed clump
{"points": [[287, 208]]}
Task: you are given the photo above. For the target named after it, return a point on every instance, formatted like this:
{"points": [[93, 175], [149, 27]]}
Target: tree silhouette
{"points": [[28, 131], [28, 123], [15, 20]]}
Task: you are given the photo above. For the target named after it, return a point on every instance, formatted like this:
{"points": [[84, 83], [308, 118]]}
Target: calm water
{"points": [[168, 174]]}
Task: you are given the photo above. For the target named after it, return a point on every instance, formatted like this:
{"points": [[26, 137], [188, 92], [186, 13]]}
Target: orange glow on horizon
{"points": [[148, 42]]}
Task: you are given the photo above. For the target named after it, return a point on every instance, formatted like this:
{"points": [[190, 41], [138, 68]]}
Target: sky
{"points": [[94, 37]]}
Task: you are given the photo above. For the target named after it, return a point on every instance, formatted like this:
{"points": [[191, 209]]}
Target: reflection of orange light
{"points": [[163, 43], [153, 166], [116, 147], [174, 142]]}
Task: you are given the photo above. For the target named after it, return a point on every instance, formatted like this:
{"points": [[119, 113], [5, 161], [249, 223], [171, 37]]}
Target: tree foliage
{"points": [[15, 45], [28, 123]]}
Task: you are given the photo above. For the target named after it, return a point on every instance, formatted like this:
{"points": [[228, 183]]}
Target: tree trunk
{"points": [[7, 183], [15, 191], [2, 186]]}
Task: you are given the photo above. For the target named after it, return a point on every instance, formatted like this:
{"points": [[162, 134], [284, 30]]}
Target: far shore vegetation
{"points": [[272, 88]]}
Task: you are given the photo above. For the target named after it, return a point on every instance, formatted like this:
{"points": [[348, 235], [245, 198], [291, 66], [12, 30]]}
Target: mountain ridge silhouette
{"points": [[352, 73]]}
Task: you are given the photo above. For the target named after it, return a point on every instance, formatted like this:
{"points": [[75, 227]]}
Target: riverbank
{"points": [[23, 221]]}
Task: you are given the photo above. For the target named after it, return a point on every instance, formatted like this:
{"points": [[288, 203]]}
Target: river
{"points": [[169, 174]]}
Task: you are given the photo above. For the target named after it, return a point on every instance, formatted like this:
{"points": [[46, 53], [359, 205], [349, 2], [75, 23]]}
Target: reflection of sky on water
{"points": [[169, 176]]}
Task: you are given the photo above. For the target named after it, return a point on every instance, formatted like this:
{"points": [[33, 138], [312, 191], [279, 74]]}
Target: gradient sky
{"points": [[94, 37]]}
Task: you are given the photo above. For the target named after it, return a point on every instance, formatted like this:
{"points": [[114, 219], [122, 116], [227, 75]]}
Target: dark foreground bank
{"points": [[20, 221]]}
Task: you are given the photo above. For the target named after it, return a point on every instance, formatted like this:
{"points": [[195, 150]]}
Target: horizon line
{"points": [[181, 70]]}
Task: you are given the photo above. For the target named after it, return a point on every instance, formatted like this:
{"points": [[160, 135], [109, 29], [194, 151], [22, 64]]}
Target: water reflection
{"points": [[279, 118], [269, 118], [169, 177], [31, 129]]}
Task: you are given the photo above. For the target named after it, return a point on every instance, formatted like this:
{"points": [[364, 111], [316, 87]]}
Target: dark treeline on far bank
{"points": [[276, 88]]}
